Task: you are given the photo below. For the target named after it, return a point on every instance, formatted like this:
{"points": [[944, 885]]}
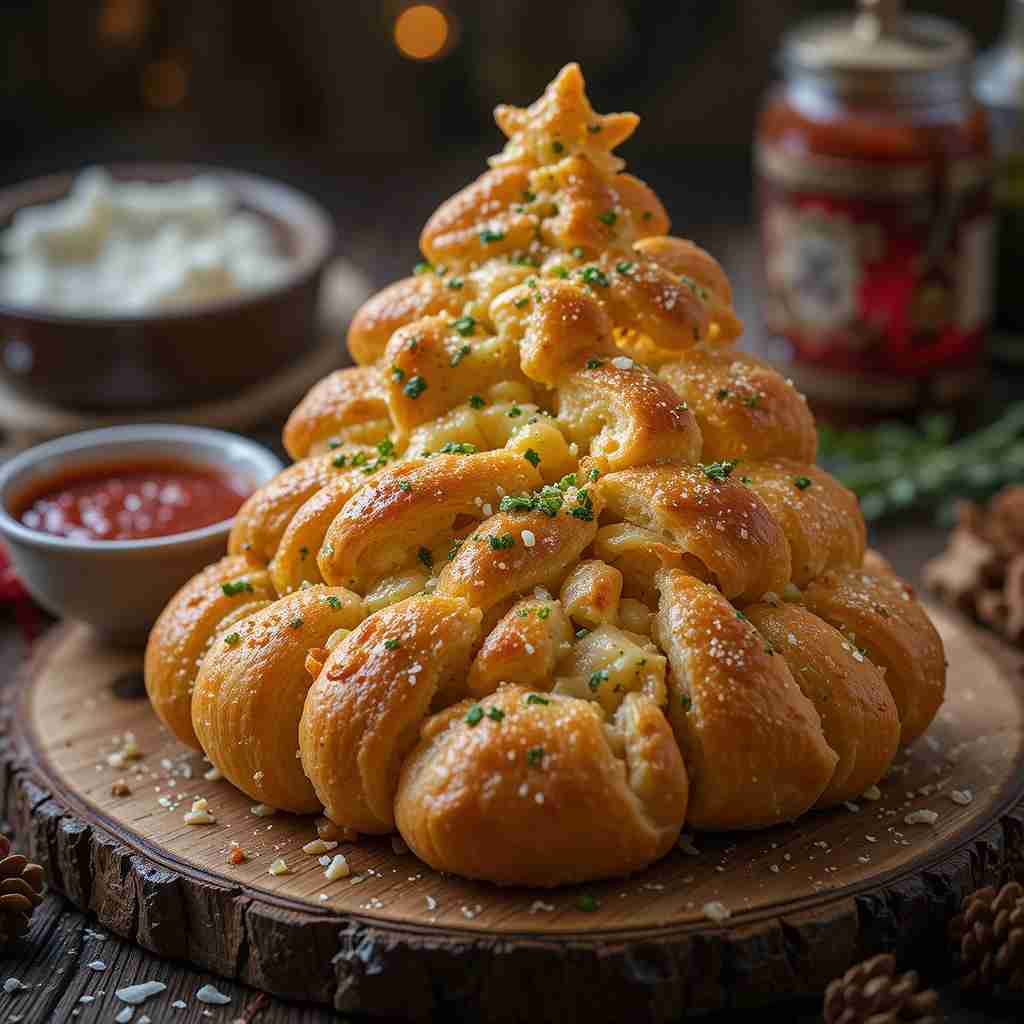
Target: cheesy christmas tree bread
{"points": [[554, 574]]}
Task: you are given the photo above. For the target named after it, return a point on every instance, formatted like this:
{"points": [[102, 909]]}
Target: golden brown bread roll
{"points": [[346, 407], [858, 715], [880, 616], [719, 526], [820, 517], [397, 305], [410, 510], [363, 713], [753, 743], [182, 635], [745, 410], [492, 784], [251, 688], [263, 518]]}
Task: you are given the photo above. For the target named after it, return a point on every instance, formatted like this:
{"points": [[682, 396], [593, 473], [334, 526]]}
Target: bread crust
{"points": [[753, 743], [250, 691], [880, 615], [362, 714], [745, 409], [722, 526], [182, 635], [346, 407], [481, 800], [858, 715]]}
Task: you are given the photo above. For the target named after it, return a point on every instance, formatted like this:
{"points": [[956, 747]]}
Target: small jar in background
{"points": [[999, 86], [874, 168]]}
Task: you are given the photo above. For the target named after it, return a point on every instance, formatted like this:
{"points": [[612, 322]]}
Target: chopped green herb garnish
{"points": [[582, 632], [392, 645], [459, 355], [686, 701], [536, 698], [474, 715], [528, 196], [404, 485], [386, 447], [532, 457], [423, 267], [236, 587], [490, 235], [625, 267], [232, 639], [587, 904], [609, 217], [522, 303], [476, 402], [506, 540], [455, 283], [753, 401], [426, 557], [803, 482], [465, 325], [561, 272], [543, 613], [597, 678], [515, 503], [557, 147], [495, 714], [398, 373], [535, 755], [515, 411], [720, 470], [595, 473], [458, 448], [416, 386], [647, 215], [594, 364], [339, 461], [722, 394], [359, 459], [594, 275], [567, 481], [296, 623], [333, 601], [303, 552], [741, 616]]}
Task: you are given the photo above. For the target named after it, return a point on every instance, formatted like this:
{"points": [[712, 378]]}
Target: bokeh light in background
{"points": [[165, 83], [424, 32]]}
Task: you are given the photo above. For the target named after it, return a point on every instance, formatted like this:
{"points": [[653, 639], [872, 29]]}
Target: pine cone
{"points": [[21, 888], [872, 993], [988, 936]]}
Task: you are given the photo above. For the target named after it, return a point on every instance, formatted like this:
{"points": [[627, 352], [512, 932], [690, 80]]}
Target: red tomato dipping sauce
{"points": [[132, 501]]}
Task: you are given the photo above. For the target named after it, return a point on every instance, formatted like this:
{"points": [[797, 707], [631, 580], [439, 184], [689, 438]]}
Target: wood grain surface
{"points": [[396, 938]]}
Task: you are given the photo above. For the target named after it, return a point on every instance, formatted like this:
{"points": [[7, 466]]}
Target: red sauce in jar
{"points": [[132, 501]]}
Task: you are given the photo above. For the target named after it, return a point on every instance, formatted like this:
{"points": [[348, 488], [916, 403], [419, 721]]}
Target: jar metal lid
{"points": [[881, 40]]}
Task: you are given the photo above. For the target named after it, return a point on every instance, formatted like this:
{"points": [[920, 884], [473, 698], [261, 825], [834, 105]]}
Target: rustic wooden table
{"points": [[54, 960]]}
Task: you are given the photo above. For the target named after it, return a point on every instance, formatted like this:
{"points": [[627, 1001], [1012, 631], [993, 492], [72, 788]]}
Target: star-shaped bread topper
{"points": [[561, 123]]}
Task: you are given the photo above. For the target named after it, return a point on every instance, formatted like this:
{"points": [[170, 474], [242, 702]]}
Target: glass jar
{"points": [[999, 85], [874, 184]]}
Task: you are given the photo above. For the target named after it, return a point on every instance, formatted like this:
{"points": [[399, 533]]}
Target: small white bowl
{"points": [[120, 586]]}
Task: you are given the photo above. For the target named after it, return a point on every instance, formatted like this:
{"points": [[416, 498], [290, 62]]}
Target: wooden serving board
{"points": [[806, 899]]}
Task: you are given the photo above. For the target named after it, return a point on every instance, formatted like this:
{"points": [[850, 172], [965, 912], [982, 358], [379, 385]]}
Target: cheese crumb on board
{"points": [[200, 814]]}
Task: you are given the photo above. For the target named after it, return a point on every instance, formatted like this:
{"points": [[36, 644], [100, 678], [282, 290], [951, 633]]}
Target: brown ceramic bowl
{"points": [[176, 357]]}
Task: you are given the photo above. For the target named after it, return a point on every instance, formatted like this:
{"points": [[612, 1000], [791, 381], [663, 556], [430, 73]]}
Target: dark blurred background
{"points": [[320, 93]]}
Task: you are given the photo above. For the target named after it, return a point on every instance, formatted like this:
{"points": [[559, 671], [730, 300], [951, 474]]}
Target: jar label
{"points": [[878, 276]]}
